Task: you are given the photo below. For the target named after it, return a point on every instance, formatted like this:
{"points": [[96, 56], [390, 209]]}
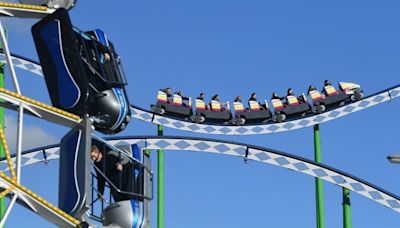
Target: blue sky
{"points": [[236, 48]]}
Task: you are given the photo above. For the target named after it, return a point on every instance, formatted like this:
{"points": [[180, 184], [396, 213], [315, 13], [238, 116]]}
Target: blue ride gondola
{"points": [[83, 72]]}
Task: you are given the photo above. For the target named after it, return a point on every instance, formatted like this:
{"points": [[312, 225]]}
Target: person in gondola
{"points": [[275, 96], [326, 83], [104, 50], [117, 169], [311, 88], [216, 98], [253, 97], [99, 60], [290, 92], [105, 60], [238, 99], [201, 97], [169, 94], [183, 97], [179, 93]]}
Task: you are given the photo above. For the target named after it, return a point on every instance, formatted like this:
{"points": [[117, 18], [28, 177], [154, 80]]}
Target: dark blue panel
{"points": [[68, 91], [68, 174]]}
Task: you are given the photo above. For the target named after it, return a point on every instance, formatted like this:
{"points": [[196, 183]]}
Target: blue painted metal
{"points": [[69, 92]]}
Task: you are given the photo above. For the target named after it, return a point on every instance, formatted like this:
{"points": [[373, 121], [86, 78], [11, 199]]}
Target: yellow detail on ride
{"points": [[40, 104], [315, 95], [200, 104], [23, 6], [238, 106], [6, 191], [330, 90], [254, 105], [292, 100], [161, 96], [215, 106], [55, 209], [277, 103], [348, 85], [177, 99], [8, 156]]}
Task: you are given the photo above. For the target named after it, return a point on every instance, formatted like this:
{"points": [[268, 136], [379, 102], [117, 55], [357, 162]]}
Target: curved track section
{"points": [[149, 116], [246, 151], [24, 63], [370, 101]]}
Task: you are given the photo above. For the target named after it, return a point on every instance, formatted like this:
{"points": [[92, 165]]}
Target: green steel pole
{"points": [[318, 181], [2, 153], [160, 190], [346, 208]]}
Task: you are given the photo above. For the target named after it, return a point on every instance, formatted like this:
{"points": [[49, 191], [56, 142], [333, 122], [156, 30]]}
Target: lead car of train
{"points": [[284, 109]]}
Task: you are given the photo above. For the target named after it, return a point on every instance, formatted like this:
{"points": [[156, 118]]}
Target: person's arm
{"points": [[100, 183], [104, 50], [120, 157], [101, 48]]}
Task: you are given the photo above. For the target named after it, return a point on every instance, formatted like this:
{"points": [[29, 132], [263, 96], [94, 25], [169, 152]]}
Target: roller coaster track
{"points": [[246, 151], [268, 128]]}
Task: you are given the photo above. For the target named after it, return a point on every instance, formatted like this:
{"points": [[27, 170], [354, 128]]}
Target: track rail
{"points": [[246, 151], [268, 128]]}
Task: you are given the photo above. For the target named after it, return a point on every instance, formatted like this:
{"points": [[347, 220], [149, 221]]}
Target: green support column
{"points": [[318, 181], [160, 190], [2, 153], [346, 208]]}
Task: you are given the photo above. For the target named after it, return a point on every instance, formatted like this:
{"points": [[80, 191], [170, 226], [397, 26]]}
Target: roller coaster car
{"points": [[217, 114], [335, 98], [79, 77], [293, 108], [255, 113], [177, 107]]}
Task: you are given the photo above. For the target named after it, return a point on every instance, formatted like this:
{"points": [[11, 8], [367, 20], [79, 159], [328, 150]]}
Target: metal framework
{"points": [[14, 100]]}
